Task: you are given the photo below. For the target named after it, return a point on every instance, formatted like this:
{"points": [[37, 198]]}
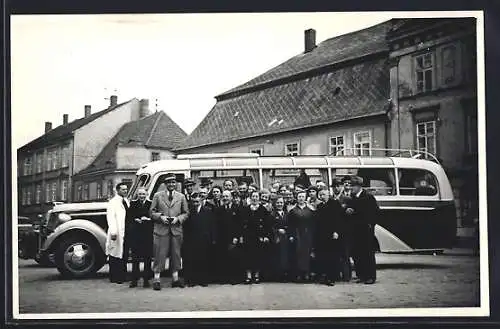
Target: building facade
{"points": [[46, 165], [150, 138], [401, 84], [434, 93]]}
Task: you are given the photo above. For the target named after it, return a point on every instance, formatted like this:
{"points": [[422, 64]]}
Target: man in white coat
{"points": [[116, 214]]}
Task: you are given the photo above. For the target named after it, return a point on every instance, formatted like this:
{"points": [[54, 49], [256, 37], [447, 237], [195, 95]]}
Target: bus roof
{"points": [[235, 161]]}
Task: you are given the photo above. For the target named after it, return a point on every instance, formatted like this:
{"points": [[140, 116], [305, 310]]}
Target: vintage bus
{"points": [[412, 219]]}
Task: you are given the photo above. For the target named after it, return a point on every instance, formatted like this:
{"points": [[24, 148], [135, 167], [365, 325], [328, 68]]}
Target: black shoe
{"points": [[119, 282], [204, 284], [330, 283], [177, 284], [133, 284], [256, 280], [156, 285], [248, 281], [369, 281], [146, 283], [359, 281]]}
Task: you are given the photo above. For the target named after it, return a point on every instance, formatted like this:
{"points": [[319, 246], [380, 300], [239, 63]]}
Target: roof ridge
{"points": [[155, 125]]}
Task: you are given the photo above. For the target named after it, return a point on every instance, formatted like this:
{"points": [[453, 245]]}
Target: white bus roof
{"points": [[234, 161]]}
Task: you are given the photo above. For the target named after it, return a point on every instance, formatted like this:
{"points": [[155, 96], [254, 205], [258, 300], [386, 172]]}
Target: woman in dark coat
{"points": [[301, 221], [282, 250], [256, 234], [328, 239]]}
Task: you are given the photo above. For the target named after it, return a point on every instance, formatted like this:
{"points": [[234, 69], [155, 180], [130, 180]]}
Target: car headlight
{"points": [[63, 217], [55, 220]]}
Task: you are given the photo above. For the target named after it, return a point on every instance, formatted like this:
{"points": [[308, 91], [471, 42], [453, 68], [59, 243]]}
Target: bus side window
{"points": [[379, 181], [417, 182]]}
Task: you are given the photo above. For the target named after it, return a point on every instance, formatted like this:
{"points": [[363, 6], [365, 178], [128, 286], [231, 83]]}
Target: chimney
{"points": [[48, 126], [87, 110], [65, 119], [309, 40], [143, 108], [113, 100]]}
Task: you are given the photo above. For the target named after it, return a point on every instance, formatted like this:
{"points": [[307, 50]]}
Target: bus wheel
{"points": [[79, 256]]}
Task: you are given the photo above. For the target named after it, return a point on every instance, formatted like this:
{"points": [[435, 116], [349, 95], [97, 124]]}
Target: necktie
{"points": [[170, 197], [125, 204]]}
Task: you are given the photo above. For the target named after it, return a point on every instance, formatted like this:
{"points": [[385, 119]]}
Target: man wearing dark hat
{"points": [[206, 182], [200, 234], [169, 210], [188, 186], [362, 211]]}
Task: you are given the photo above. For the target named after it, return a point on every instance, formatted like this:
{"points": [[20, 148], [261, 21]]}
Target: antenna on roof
{"points": [[156, 105]]}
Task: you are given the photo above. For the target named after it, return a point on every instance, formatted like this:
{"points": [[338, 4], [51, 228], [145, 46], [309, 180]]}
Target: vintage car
{"points": [[73, 237], [27, 238]]}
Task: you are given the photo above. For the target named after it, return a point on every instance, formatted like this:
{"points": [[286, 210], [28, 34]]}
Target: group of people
{"points": [[228, 234]]}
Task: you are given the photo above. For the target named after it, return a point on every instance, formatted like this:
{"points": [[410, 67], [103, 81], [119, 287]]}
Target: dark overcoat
{"points": [[301, 223], [256, 225], [199, 237], [139, 236]]}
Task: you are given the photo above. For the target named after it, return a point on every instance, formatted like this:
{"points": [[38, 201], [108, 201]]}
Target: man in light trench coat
{"points": [[115, 215], [169, 210]]}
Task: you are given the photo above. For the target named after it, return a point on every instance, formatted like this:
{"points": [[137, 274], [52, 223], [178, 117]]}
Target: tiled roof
{"points": [[335, 50], [344, 77], [157, 130], [353, 91], [65, 130]]}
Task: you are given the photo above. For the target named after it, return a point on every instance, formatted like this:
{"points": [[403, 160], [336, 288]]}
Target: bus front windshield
{"points": [[140, 181]]}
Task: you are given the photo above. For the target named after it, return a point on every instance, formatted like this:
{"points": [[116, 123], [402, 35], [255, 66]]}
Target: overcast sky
{"points": [[61, 63]]}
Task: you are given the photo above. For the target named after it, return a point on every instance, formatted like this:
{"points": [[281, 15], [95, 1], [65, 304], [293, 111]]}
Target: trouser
{"points": [[117, 269], [164, 246], [196, 267], [136, 272], [364, 258], [328, 261]]}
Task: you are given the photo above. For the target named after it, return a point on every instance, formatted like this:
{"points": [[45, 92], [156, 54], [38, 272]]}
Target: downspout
{"points": [[397, 101]]}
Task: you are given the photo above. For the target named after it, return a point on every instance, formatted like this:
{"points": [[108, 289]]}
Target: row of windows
{"points": [[362, 142], [379, 181], [53, 159], [83, 193], [48, 192]]}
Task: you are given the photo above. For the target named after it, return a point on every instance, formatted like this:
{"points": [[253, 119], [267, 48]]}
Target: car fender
{"points": [[76, 224]]}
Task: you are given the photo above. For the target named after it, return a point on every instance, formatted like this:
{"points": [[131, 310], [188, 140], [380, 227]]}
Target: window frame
{"points": [[416, 70], [48, 187], [370, 141], [28, 165], [64, 189], [39, 162], [435, 135], [53, 192], [99, 190], [292, 143], [38, 193], [257, 148], [153, 154], [342, 152]]}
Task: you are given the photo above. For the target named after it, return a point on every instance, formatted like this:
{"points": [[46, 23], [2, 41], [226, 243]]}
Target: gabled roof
{"points": [[331, 51], [66, 130], [343, 78], [157, 130]]}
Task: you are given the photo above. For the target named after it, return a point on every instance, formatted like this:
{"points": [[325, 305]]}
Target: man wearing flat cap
{"points": [[169, 209], [362, 212]]}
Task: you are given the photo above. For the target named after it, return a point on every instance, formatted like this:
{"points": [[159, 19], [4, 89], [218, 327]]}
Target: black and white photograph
{"points": [[249, 165]]}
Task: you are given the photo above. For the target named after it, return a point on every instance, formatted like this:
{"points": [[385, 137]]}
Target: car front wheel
{"points": [[79, 256]]}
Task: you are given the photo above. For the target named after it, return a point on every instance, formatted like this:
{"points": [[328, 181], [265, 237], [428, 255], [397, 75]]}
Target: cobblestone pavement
{"points": [[403, 281]]}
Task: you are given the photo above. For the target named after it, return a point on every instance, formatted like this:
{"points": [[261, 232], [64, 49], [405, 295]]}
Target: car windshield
{"points": [[140, 181]]}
